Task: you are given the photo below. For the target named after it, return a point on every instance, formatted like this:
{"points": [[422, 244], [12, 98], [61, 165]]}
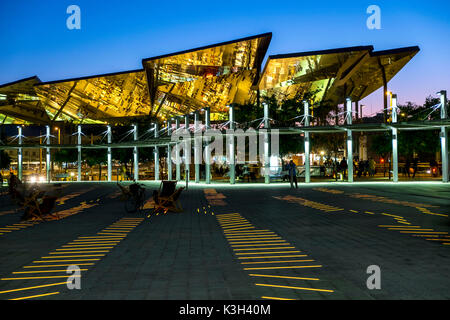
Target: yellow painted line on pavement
{"points": [[266, 257], [423, 232], [245, 242], [51, 261], [282, 277], [284, 261], [274, 248], [275, 298], [48, 277], [288, 267], [35, 287], [81, 256], [77, 252], [59, 265], [243, 239], [43, 271], [294, 288], [270, 252], [36, 296], [393, 226]]}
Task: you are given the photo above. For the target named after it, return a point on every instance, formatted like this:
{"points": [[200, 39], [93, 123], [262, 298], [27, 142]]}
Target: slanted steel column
{"points": [[156, 152], [307, 145], [231, 147], [79, 153], [135, 153], [187, 162], [207, 148], [266, 144], [197, 146], [177, 156], [394, 139], [444, 137], [109, 160], [47, 154], [349, 140], [19, 153], [169, 151]]}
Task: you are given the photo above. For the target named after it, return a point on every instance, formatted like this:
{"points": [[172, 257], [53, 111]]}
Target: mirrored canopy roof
{"points": [[214, 76], [332, 75]]}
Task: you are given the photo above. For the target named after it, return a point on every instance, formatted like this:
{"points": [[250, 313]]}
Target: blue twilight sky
{"points": [[115, 35]]}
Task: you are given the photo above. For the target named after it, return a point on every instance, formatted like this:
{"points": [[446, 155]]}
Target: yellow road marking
{"points": [[286, 261], [273, 248], [35, 287], [59, 265], [295, 288], [271, 252], [282, 277], [265, 257], [289, 267], [37, 296], [275, 298], [44, 271]]}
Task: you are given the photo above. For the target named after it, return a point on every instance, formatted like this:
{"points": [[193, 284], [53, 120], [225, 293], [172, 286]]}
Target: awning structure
{"points": [[332, 75], [214, 76], [96, 99]]}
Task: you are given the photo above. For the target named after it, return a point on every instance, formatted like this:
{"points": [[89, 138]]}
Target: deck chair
{"points": [[166, 199], [37, 206], [125, 192]]}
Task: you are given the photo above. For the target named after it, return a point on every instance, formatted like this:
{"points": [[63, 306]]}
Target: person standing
{"points": [[343, 166], [407, 167], [415, 163], [292, 174]]}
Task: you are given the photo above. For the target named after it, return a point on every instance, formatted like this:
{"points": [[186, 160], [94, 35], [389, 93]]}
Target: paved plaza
{"points": [[235, 242]]}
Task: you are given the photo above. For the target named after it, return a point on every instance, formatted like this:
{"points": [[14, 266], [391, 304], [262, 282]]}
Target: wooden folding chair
{"points": [[125, 192], [167, 197], [37, 206]]}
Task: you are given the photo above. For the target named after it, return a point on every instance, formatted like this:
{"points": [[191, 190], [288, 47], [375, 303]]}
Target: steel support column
{"points": [[19, 153], [349, 140], [197, 146], [231, 147], [109, 160], [177, 156], [266, 144], [207, 148], [47, 154], [444, 137], [169, 152], [135, 153], [394, 139], [156, 152], [187, 155], [307, 143]]}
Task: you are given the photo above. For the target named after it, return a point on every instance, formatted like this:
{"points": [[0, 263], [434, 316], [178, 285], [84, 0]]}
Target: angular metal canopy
{"points": [[213, 76], [332, 75]]}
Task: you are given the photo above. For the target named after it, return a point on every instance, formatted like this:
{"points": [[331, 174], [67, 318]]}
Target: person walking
{"points": [[415, 163], [407, 167], [372, 166], [343, 166], [292, 174]]}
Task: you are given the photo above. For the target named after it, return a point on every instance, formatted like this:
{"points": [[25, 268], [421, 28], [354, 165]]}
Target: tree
{"points": [[65, 156], [5, 160], [95, 157]]}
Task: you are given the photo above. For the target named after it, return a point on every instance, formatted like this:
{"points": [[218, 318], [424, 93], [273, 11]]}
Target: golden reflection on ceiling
{"points": [[96, 99], [331, 76], [213, 76]]}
